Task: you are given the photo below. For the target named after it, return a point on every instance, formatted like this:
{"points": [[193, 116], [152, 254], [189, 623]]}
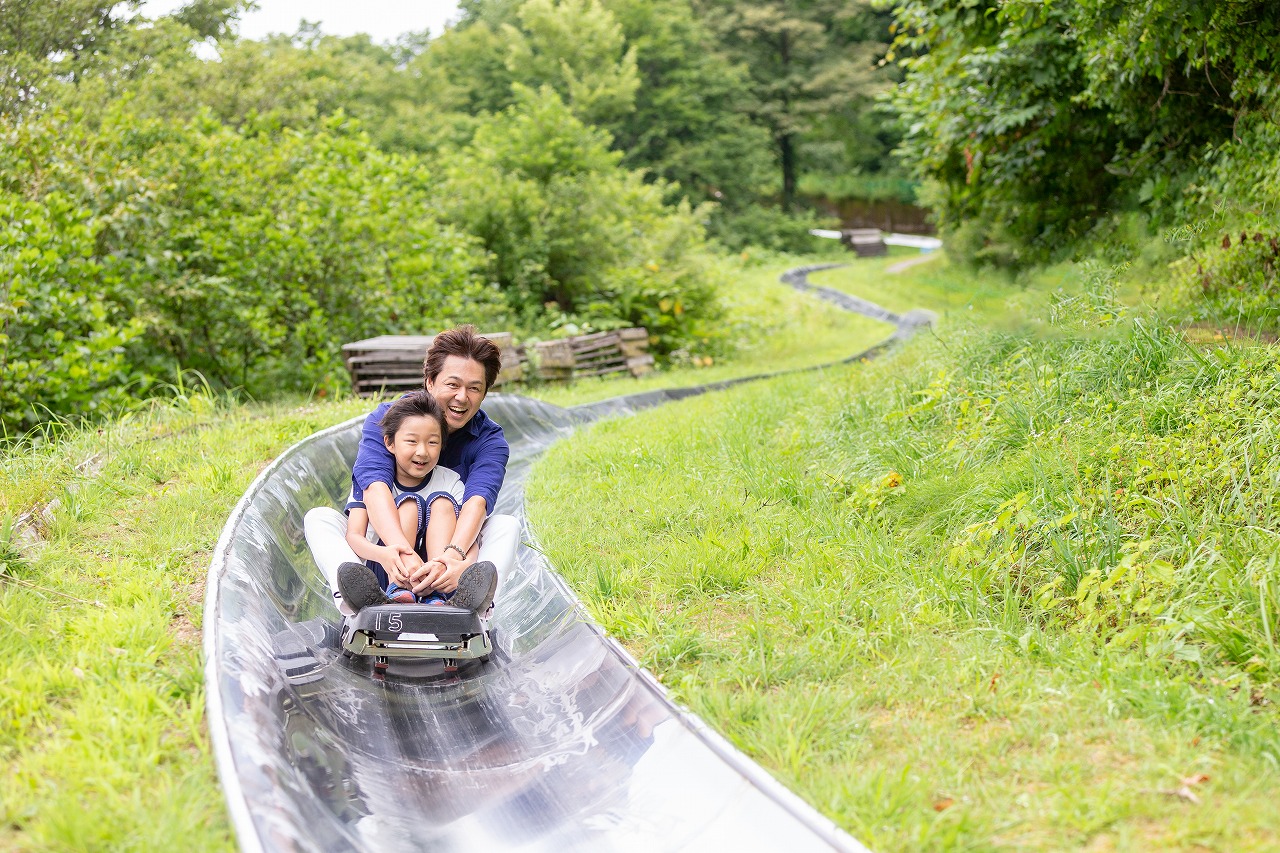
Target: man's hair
{"points": [[462, 341], [413, 404]]}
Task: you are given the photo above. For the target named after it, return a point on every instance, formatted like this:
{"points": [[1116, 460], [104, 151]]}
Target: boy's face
{"points": [[459, 389], [416, 447]]}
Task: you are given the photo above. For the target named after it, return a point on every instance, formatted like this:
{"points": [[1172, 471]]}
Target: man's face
{"points": [[458, 388]]}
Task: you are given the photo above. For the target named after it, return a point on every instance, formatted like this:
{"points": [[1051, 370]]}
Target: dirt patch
{"points": [[184, 627]]}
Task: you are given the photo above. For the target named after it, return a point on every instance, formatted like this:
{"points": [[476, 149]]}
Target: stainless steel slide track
{"points": [[561, 742]]}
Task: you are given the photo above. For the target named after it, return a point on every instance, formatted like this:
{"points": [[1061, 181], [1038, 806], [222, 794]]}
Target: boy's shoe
{"points": [[400, 595], [359, 586], [476, 587]]}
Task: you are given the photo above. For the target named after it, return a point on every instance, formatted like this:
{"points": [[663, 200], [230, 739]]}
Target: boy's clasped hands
{"points": [[405, 568]]}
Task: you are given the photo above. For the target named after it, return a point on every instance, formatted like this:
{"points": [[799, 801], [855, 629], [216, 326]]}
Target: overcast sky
{"points": [[382, 19]]}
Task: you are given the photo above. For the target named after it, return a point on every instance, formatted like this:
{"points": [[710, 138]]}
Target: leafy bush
{"points": [[1232, 285], [1118, 482], [62, 335], [768, 228], [1035, 121], [248, 255], [573, 234]]}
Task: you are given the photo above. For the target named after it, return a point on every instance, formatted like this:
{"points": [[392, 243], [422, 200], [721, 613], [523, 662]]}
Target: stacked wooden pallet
{"points": [[866, 242], [594, 355], [393, 363]]}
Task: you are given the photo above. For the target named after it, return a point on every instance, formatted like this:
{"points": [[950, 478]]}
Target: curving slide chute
{"points": [[561, 742]]}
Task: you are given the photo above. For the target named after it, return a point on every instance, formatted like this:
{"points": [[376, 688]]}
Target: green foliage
{"points": [[690, 124], [246, 255], [569, 231], [1029, 123], [769, 229], [814, 75], [39, 40], [674, 103], [577, 48], [1230, 287], [62, 328]]}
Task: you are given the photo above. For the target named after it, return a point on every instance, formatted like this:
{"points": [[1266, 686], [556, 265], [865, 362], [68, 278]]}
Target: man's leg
{"points": [[499, 538], [326, 532]]}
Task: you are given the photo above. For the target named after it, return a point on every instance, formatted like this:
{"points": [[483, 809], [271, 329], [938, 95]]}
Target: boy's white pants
{"points": [[326, 531]]}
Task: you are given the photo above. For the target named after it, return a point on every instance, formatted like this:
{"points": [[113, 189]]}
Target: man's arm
{"points": [[484, 479], [486, 472]]}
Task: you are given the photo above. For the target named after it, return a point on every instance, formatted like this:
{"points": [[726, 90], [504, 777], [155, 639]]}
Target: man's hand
{"points": [[400, 563], [424, 576], [442, 575]]}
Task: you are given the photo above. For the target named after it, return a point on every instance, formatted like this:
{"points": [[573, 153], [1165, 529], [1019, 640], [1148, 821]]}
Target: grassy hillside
{"points": [[1015, 587], [772, 329], [102, 736]]}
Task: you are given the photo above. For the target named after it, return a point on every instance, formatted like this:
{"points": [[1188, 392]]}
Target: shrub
{"points": [[62, 335], [573, 235], [246, 254]]}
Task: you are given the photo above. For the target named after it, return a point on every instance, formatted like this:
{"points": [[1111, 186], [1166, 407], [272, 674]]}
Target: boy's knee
{"points": [[443, 502]]}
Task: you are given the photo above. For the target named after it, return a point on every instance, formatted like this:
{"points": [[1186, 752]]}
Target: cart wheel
{"points": [[450, 665], [380, 668]]}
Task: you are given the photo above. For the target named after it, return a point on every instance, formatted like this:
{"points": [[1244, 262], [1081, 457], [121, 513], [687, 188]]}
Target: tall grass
{"points": [[1008, 589], [102, 735]]}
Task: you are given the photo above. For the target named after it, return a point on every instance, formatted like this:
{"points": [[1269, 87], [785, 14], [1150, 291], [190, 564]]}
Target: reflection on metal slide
{"points": [[561, 742]]}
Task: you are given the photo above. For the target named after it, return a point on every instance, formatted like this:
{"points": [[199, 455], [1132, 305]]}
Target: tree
{"points": [[806, 60], [690, 124], [40, 39], [1033, 122], [685, 118], [577, 48], [570, 232]]}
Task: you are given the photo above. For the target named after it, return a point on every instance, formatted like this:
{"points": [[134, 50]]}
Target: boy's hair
{"points": [[462, 341], [413, 404]]}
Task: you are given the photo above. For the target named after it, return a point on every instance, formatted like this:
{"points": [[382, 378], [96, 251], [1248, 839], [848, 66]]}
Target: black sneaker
{"points": [[359, 586], [476, 587]]}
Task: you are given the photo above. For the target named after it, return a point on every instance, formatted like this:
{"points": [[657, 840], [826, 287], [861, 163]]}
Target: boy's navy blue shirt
{"points": [[478, 453]]}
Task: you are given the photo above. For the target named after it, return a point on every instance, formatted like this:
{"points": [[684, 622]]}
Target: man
{"points": [[458, 371]]}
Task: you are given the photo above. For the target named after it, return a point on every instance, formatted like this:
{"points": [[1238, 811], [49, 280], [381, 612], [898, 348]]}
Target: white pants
{"points": [[326, 531]]}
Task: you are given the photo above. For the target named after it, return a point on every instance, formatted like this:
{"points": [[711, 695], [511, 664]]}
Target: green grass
{"points": [[1008, 590], [102, 733], [948, 290], [775, 328]]}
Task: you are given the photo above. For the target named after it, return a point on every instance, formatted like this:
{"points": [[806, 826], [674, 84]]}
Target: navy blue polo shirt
{"points": [[478, 453]]}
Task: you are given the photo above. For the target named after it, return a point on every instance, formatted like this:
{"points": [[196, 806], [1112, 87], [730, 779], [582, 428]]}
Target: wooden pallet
{"points": [[393, 363], [594, 355], [866, 242]]}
